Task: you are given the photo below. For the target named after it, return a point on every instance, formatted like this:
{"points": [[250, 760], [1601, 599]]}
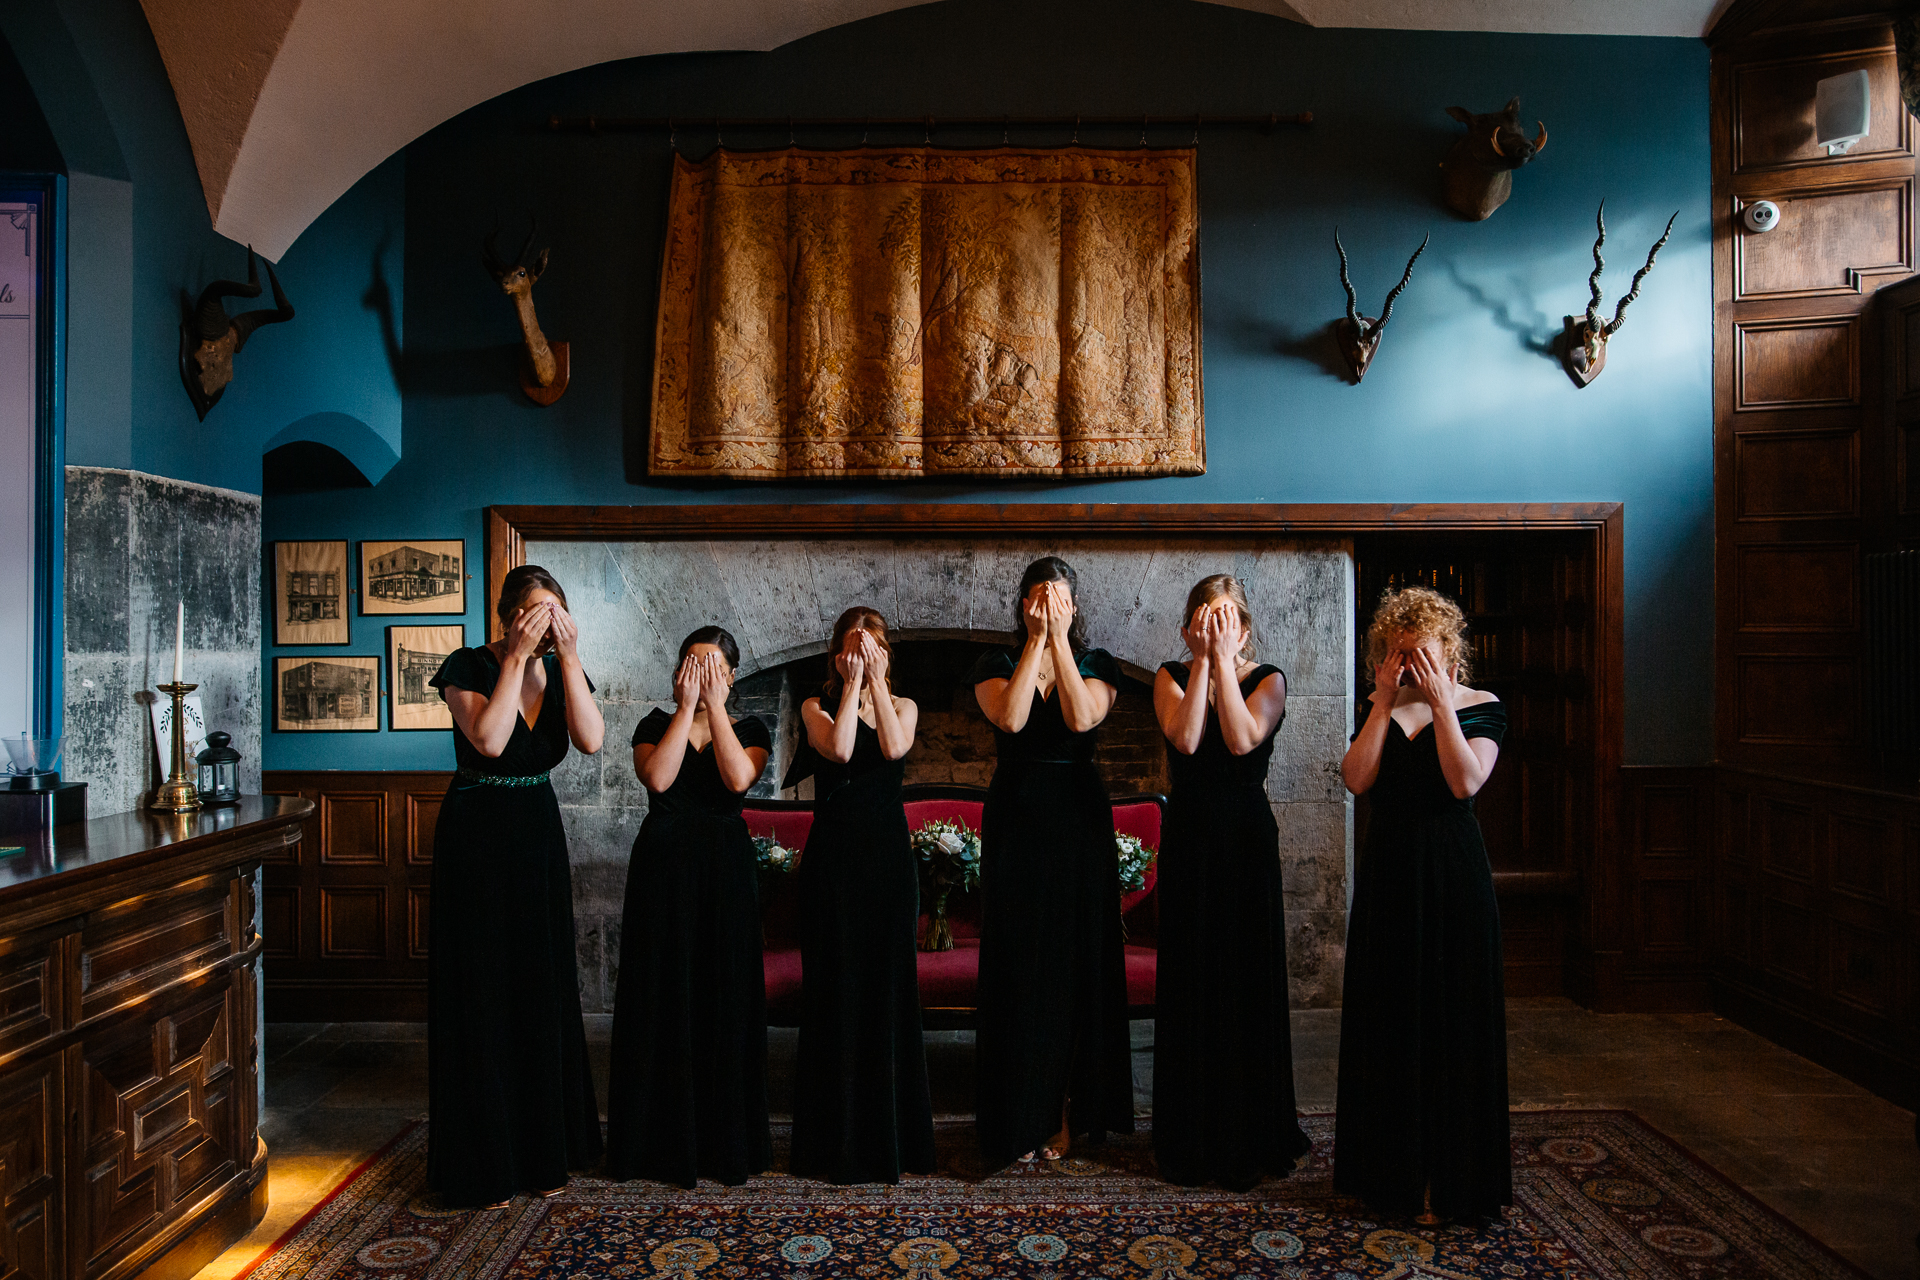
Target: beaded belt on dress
{"points": [[501, 779]]}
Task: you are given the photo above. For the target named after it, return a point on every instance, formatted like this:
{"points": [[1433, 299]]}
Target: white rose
{"points": [[950, 842]]}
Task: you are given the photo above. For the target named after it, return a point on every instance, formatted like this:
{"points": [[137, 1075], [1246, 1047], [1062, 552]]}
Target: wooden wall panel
{"points": [[1773, 109], [1798, 364], [1796, 475], [1797, 586], [346, 924], [1796, 700], [1828, 238], [1666, 860]]}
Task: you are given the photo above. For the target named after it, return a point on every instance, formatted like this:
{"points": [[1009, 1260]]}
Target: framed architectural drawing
{"points": [[326, 695], [414, 655], [310, 592], [413, 577], [920, 311]]}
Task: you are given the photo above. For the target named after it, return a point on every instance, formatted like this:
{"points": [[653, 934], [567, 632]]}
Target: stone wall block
{"points": [[771, 591], [1151, 633], [576, 779], [1308, 831], [99, 521], [675, 587], [1302, 601], [934, 586], [848, 573], [1316, 958], [1307, 750]]}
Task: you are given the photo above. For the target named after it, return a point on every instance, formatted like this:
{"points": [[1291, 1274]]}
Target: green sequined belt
{"points": [[501, 779]]}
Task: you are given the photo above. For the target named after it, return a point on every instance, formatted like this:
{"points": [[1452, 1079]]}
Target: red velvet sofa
{"points": [[947, 978]]}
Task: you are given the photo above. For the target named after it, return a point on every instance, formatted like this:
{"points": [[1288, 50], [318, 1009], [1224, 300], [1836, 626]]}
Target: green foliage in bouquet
{"points": [[948, 855]]}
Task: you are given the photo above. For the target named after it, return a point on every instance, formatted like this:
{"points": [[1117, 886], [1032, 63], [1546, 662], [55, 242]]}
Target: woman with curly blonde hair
{"points": [[1421, 1122]]}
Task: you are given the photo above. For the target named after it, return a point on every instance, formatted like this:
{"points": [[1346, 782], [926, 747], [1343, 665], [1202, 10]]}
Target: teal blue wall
{"points": [[141, 240], [1462, 404]]}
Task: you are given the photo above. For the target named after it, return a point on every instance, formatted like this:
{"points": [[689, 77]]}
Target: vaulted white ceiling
{"points": [[289, 103]]}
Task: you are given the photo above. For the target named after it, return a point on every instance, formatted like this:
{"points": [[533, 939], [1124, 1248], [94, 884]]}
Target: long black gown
{"points": [[1223, 1100], [1423, 1027], [687, 1094], [509, 1092], [1052, 996], [862, 1111]]}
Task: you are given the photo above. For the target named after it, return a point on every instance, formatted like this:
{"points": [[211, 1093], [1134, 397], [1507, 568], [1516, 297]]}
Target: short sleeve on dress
{"points": [[994, 664], [1098, 664], [652, 728], [1179, 671], [752, 732], [1484, 720], [466, 669]]}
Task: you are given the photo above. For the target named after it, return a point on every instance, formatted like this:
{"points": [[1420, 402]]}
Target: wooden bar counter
{"points": [[129, 1046]]}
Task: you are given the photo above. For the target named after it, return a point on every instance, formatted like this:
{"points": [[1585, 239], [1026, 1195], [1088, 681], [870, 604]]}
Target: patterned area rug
{"points": [[1598, 1193]]}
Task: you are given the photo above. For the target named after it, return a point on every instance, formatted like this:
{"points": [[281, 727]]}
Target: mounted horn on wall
{"points": [[544, 368], [1583, 343], [1359, 336], [210, 338], [1478, 170]]}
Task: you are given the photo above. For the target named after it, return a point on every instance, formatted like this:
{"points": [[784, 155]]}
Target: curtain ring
{"points": [[926, 136], [1143, 131], [718, 141], [1003, 129], [864, 121], [673, 136], [1075, 140], [789, 131], [1196, 129]]}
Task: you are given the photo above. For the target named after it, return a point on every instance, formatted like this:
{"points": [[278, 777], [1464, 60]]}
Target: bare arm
{"points": [[833, 736], [1244, 723], [1083, 703], [739, 766], [657, 764], [1466, 762], [894, 719], [1008, 703], [487, 720], [1182, 712], [584, 724], [1360, 767]]}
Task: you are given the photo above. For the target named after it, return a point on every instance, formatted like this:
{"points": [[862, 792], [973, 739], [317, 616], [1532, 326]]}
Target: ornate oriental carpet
{"points": [[1598, 1194]]}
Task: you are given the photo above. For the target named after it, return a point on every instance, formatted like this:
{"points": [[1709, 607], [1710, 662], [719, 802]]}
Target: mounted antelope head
{"points": [[1583, 344], [544, 372], [210, 338], [1479, 169], [1359, 336]]}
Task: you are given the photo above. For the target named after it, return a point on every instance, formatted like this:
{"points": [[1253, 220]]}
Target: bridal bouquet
{"points": [[774, 860], [948, 854], [1135, 857]]}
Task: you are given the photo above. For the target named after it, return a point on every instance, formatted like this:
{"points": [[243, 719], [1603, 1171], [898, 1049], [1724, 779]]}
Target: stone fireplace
{"points": [[944, 599]]}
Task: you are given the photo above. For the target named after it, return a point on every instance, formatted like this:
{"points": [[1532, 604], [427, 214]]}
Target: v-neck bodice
{"points": [[698, 788], [533, 748], [1046, 739], [1411, 783], [1213, 766]]}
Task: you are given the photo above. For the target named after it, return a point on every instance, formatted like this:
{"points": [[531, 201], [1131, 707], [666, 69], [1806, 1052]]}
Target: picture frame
{"points": [[414, 655], [326, 694], [310, 591], [412, 577]]}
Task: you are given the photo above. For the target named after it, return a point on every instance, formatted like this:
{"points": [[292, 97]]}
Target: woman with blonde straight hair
{"points": [[862, 1111], [1421, 1126], [1223, 1100]]}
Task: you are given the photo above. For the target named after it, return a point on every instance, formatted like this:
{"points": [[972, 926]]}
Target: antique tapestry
{"points": [[914, 311]]}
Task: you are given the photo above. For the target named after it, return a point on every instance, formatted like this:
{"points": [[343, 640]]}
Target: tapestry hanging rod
{"points": [[926, 124]]}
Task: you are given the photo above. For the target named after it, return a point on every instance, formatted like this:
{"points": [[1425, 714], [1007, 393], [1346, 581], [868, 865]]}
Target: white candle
{"points": [[179, 637]]}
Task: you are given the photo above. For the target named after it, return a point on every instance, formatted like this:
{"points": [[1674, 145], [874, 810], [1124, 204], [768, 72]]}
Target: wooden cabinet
{"points": [[129, 1046]]}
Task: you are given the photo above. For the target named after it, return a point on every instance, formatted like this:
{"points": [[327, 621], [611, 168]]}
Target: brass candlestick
{"points": [[177, 794]]}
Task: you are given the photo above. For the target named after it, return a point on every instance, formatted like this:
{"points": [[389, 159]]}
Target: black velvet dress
{"points": [[687, 1093], [509, 1093], [1223, 1100], [1423, 1027], [862, 1111], [1052, 997]]}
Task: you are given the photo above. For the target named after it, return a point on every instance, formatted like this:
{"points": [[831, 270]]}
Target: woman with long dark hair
{"points": [[1223, 1100], [1051, 1050], [1421, 1123], [509, 1093], [862, 1111], [687, 1095]]}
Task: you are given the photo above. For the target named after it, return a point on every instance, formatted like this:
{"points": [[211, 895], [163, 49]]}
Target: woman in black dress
{"points": [[1223, 1101], [509, 1093], [1051, 1053], [862, 1111], [687, 1095], [1422, 1112]]}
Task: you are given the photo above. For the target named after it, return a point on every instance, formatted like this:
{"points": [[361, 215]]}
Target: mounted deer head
{"points": [[544, 374], [1359, 336], [1583, 343], [1479, 169], [210, 338]]}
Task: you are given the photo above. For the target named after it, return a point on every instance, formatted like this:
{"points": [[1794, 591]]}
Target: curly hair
{"points": [[1422, 614]]}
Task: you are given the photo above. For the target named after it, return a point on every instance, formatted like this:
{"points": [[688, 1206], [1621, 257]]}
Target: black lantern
{"points": [[219, 781]]}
